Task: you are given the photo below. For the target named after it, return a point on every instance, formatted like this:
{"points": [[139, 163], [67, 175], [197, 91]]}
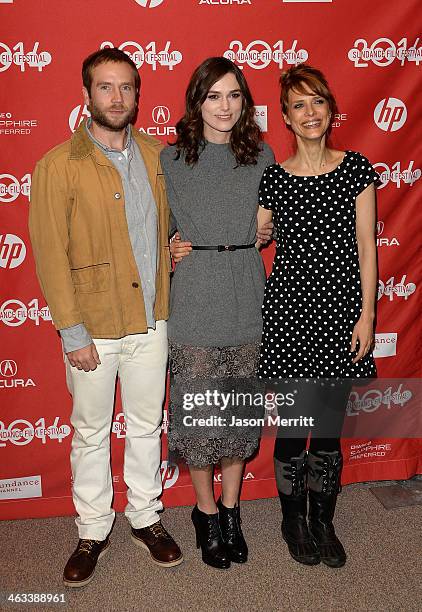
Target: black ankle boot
{"points": [[324, 485], [208, 537], [291, 483], [231, 531]]}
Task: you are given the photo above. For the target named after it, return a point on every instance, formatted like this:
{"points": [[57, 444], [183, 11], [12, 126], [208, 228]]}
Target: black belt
{"points": [[223, 247]]}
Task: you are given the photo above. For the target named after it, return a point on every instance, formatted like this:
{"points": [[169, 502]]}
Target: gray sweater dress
{"points": [[215, 322]]}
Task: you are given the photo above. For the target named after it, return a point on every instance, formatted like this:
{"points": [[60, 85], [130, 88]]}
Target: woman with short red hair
{"points": [[319, 305]]}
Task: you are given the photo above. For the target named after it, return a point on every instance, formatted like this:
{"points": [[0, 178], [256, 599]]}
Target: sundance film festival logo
{"points": [[396, 174], [77, 115], [12, 251], [258, 54], [149, 3], [390, 114], [400, 289], [11, 187], [374, 399], [383, 52], [21, 432], [14, 313], [8, 380], [150, 54], [161, 117], [19, 57], [383, 240]]}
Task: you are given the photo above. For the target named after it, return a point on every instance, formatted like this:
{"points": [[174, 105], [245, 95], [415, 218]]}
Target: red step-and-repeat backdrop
{"points": [[371, 54]]}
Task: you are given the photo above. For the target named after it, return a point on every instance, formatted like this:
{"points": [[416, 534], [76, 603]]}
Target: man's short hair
{"points": [[107, 55]]}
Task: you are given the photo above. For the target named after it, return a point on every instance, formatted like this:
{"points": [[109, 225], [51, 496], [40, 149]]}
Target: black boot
{"points": [[231, 531], [291, 484], [324, 484], [208, 537]]}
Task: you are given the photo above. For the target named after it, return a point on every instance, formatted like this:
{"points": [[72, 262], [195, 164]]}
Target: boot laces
{"points": [[213, 530], [329, 474], [297, 478], [158, 531], [86, 546]]}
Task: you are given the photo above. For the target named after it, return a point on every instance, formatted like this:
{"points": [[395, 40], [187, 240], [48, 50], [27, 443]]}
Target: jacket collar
{"points": [[81, 146]]}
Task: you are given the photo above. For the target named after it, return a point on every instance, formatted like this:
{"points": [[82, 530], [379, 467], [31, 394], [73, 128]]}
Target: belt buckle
{"points": [[226, 247]]}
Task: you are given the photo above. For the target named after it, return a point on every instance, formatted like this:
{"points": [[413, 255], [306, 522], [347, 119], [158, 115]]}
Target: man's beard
{"points": [[101, 118]]}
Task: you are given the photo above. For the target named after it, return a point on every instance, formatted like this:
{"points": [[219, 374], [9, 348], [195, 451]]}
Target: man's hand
{"points": [[264, 233], [179, 249], [85, 358]]}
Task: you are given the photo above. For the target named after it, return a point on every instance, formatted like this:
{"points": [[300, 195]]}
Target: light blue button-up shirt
{"points": [[141, 217]]}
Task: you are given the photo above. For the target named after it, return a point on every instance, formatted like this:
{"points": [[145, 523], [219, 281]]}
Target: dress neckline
{"points": [[316, 176]]}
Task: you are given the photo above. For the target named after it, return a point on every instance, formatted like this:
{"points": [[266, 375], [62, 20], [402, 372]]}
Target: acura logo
{"points": [[8, 368], [160, 115]]}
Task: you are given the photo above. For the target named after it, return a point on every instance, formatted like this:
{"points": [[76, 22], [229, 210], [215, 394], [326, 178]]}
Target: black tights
{"points": [[286, 448], [327, 404]]}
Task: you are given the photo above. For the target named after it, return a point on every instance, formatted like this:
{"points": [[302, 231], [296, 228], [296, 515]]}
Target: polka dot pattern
{"points": [[313, 295]]}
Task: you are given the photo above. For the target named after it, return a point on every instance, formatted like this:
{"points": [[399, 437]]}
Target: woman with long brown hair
{"points": [[212, 175], [319, 305]]}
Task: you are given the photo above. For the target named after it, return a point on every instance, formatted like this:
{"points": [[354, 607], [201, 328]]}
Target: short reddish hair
{"points": [[297, 77]]}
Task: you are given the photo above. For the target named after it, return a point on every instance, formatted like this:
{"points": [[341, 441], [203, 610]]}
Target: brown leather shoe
{"points": [[80, 568], [163, 549]]}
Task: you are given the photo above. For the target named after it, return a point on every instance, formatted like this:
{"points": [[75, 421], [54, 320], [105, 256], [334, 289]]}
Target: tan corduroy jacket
{"points": [[81, 243]]}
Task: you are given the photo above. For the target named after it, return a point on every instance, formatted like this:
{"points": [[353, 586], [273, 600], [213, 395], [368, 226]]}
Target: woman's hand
{"points": [[264, 234], [364, 333], [178, 248]]}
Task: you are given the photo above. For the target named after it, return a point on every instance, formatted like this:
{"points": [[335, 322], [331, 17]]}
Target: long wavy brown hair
{"points": [[245, 137]]}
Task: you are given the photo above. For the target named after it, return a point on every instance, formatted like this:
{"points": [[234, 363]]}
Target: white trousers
{"points": [[140, 362]]}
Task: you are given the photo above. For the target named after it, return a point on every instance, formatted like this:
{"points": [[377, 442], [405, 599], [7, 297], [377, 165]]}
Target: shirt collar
{"points": [[103, 147]]}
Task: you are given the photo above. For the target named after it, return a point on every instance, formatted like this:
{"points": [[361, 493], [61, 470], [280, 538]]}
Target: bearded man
{"points": [[99, 230]]}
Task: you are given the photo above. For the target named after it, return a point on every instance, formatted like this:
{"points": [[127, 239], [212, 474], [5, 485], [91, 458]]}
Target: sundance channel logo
{"points": [[22, 487], [385, 345]]}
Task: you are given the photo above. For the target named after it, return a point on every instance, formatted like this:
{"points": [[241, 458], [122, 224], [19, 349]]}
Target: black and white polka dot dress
{"points": [[313, 295]]}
